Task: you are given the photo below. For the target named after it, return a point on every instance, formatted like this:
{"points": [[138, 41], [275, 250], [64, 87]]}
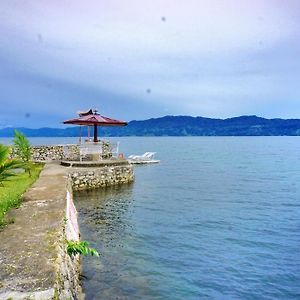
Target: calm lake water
{"points": [[218, 218]]}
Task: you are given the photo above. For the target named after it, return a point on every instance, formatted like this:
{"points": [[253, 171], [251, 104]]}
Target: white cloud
{"points": [[202, 53]]}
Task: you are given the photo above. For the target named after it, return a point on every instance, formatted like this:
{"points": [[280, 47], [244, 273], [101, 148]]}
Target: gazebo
{"points": [[93, 118]]}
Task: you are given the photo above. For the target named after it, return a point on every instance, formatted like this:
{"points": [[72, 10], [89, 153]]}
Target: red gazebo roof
{"points": [[91, 118]]}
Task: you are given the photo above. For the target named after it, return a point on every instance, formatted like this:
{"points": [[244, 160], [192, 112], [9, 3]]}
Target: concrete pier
{"points": [[34, 263], [33, 260]]}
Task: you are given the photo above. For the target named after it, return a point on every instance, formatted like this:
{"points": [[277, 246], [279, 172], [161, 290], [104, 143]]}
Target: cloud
{"points": [[207, 57]]}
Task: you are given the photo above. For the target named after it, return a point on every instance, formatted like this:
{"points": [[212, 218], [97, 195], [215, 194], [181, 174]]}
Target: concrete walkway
{"points": [[28, 248]]}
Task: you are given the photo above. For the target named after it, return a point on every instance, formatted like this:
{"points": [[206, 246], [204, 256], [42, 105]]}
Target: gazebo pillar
{"points": [[89, 133], [95, 133], [80, 134]]}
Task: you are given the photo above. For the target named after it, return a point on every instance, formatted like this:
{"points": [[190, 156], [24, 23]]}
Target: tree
{"points": [[23, 150], [7, 165]]}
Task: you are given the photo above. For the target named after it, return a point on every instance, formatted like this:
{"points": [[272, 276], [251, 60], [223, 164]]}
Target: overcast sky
{"points": [[135, 59]]}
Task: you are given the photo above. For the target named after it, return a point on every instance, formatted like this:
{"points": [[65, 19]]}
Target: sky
{"points": [[134, 59]]}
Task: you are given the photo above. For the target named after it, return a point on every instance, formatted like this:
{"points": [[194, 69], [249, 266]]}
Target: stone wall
{"points": [[67, 283], [57, 152], [91, 178], [68, 152], [52, 153]]}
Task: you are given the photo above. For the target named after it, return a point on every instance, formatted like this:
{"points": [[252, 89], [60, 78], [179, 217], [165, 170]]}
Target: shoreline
{"points": [[35, 262]]}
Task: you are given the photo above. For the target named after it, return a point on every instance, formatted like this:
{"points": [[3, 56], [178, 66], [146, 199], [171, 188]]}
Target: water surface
{"points": [[218, 218]]}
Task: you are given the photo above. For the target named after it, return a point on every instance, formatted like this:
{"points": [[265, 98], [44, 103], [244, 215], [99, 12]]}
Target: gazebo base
{"points": [[95, 164]]}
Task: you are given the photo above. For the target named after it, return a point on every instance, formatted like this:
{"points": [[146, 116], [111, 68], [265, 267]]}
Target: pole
{"points": [[80, 134], [95, 134]]}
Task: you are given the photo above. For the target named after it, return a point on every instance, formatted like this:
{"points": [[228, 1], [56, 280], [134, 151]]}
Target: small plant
{"points": [[5, 222], [80, 247], [7, 165], [23, 150]]}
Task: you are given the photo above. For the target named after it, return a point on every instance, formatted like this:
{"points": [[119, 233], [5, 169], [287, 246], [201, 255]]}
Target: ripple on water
{"points": [[218, 219]]}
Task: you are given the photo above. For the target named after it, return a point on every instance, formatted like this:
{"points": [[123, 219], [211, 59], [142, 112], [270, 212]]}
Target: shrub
{"points": [[23, 150], [7, 165], [81, 248]]}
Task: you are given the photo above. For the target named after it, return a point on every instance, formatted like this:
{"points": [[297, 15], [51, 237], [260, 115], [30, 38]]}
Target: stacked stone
{"points": [[52, 153], [62, 152], [101, 177], [12, 153], [106, 150], [67, 281], [46, 153]]}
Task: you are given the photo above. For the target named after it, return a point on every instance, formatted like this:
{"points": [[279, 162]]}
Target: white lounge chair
{"points": [[145, 156]]}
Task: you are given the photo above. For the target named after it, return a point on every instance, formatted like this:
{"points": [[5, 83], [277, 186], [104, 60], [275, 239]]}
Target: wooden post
{"points": [[95, 134], [80, 134]]}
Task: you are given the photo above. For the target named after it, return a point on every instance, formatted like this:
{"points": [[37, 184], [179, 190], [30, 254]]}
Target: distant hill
{"points": [[180, 126]]}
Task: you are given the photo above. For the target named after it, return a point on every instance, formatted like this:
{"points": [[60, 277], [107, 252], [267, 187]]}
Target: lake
{"points": [[218, 218]]}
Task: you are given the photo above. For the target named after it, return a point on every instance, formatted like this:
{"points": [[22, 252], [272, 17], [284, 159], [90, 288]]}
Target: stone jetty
{"points": [[34, 263]]}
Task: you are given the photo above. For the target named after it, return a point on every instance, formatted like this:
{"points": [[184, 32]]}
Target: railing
{"points": [[115, 149], [100, 150], [89, 149]]}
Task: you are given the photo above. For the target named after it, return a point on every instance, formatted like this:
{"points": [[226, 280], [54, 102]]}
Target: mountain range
{"points": [[179, 126]]}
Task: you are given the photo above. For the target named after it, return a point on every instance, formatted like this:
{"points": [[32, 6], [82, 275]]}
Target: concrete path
{"points": [[28, 248]]}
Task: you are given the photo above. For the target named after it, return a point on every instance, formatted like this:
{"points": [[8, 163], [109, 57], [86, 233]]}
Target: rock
{"points": [[100, 177]]}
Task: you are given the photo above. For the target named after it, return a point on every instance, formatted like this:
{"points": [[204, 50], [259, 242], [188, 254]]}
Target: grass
{"points": [[12, 190]]}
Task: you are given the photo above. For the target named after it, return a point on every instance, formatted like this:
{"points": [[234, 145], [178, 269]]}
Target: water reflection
{"points": [[104, 219], [104, 213]]}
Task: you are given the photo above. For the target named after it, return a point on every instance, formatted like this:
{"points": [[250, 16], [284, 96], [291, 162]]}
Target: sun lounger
{"points": [[145, 156]]}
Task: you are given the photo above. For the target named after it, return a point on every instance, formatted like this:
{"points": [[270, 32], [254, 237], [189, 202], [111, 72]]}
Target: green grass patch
{"points": [[12, 190]]}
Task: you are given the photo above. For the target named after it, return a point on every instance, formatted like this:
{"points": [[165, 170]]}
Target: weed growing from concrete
{"points": [[80, 248]]}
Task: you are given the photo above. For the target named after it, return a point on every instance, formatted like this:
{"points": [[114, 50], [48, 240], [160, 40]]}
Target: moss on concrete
{"points": [[12, 190]]}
